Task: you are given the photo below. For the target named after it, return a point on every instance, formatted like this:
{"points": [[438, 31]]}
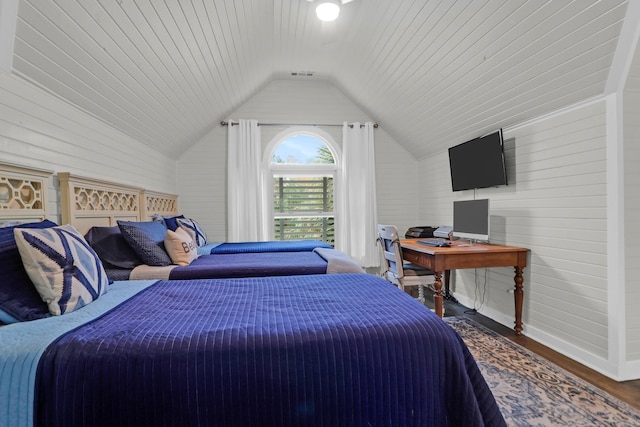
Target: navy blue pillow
{"points": [[147, 239], [170, 221], [112, 248], [19, 299]]}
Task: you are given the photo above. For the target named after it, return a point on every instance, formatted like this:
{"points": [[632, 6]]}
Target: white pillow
{"points": [[180, 247], [64, 269]]}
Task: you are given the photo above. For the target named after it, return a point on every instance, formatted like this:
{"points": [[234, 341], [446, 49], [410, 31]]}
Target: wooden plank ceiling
{"points": [[430, 71]]}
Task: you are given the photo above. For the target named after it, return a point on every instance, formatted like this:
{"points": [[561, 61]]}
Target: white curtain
{"points": [[356, 222], [245, 220]]}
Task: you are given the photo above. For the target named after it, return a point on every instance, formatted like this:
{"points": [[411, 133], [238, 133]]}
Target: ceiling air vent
{"points": [[303, 73]]}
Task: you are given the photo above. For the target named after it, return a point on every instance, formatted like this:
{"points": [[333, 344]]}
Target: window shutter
{"points": [[303, 208]]}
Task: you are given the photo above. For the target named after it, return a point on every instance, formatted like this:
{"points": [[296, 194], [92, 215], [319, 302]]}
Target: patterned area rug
{"points": [[534, 392]]}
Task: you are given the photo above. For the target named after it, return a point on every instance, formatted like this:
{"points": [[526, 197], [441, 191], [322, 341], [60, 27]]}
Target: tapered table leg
{"points": [[518, 297]]}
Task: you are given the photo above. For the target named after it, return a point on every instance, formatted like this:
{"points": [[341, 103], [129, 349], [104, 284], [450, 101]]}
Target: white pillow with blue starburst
{"points": [[193, 229], [64, 269]]}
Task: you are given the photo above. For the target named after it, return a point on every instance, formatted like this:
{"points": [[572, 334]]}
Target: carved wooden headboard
{"points": [[88, 202], [158, 203], [23, 193]]}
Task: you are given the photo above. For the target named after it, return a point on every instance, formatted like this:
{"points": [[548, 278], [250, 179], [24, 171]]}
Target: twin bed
{"points": [[91, 205], [313, 349]]}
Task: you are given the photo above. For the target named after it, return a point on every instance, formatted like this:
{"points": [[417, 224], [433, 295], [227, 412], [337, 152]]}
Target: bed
{"points": [[122, 265], [260, 264], [99, 209], [317, 350], [275, 351]]}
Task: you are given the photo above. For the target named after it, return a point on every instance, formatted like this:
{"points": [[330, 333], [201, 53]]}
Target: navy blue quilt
{"points": [[271, 246], [326, 350], [251, 265]]}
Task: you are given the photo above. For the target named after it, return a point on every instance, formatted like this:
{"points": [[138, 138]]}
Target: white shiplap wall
{"points": [[202, 183], [555, 205], [202, 169], [632, 210], [39, 130]]}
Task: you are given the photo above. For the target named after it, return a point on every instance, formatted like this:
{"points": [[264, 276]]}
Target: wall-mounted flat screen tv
{"points": [[478, 163]]}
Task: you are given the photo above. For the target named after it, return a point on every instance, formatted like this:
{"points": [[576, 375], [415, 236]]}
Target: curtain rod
{"points": [[375, 125]]}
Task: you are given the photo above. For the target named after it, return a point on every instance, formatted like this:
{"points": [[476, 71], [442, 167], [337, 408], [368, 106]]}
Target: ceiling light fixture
{"points": [[328, 11]]}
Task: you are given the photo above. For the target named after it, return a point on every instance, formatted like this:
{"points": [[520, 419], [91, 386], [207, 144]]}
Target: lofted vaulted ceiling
{"points": [[166, 72]]}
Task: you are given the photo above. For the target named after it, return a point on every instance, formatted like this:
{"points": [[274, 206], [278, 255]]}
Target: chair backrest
{"points": [[390, 250]]}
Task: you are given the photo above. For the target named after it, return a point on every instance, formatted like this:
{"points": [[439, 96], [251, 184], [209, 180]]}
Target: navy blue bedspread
{"points": [[251, 265], [271, 246], [329, 350]]}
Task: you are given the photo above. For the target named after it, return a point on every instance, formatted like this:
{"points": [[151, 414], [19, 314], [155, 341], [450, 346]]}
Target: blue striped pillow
{"points": [[194, 229], [64, 269], [19, 299]]}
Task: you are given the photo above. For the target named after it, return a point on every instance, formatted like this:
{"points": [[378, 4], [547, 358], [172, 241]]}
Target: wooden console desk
{"points": [[459, 256]]}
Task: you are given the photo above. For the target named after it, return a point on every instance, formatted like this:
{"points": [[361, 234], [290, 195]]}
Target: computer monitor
{"points": [[471, 219]]}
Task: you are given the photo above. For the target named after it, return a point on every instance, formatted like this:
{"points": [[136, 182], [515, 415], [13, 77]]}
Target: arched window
{"points": [[301, 167]]}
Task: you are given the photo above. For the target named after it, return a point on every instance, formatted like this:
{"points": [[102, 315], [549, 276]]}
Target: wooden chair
{"points": [[396, 270]]}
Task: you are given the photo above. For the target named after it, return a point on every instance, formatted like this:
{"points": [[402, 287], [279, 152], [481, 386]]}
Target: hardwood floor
{"points": [[627, 391]]}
